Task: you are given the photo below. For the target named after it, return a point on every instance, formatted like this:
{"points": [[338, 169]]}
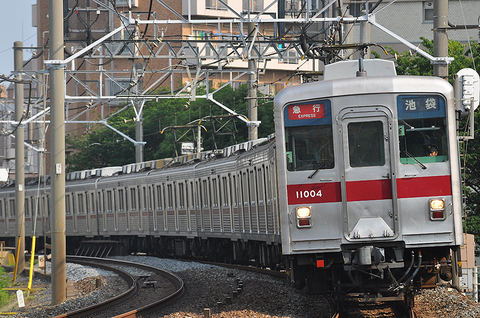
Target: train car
{"points": [[219, 205], [369, 181], [359, 191]]}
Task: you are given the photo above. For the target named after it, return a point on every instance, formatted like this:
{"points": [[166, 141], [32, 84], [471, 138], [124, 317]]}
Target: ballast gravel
{"points": [[212, 288]]}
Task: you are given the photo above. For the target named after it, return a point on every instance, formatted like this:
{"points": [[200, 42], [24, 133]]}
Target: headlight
{"points": [[304, 217], [437, 209], [303, 212], [437, 204]]}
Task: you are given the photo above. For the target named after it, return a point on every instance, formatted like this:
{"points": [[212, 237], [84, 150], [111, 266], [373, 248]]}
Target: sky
{"points": [[16, 25]]}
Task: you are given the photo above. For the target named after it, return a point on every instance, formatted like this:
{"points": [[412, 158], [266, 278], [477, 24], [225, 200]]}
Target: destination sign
{"points": [[420, 104], [306, 111]]}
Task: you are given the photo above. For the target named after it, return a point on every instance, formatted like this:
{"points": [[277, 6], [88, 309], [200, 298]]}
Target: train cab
{"points": [[369, 180]]}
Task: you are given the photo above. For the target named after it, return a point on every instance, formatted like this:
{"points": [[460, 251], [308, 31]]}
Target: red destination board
{"points": [[306, 111]]}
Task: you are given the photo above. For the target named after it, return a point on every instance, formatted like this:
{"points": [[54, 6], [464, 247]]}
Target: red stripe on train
{"points": [[367, 190], [424, 187]]}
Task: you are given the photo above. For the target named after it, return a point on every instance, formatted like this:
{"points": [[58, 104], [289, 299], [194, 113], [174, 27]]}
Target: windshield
{"points": [[422, 129], [308, 136]]}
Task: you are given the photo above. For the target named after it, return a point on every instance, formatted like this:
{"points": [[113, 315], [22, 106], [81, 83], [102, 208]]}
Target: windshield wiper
{"points": [[415, 159], [318, 169]]}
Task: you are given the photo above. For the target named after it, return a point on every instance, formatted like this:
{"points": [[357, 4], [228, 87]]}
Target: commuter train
{"points": [[358, 192]]}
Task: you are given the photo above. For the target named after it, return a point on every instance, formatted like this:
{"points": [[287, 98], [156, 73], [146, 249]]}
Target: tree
{"points": [[464, 56], [102, 147]]}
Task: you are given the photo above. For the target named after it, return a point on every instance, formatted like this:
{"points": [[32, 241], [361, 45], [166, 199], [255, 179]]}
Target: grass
{"points": [[5, 281]]}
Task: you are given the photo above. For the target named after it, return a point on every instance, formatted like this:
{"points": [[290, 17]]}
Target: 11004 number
{"points": [[308, 194]]}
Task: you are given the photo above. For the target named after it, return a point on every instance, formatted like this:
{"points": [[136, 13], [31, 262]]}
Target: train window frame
{"points": [[13, 211], [181, 195], [121, 201], [144, 198], [159, 194], [1, 208], [423, 117], [309, 142], [214, 193], [81, 209], [67, 204], [169, 196], [109, 201], [225, 190], [362, 154], [133, 199], [27, 208], [74, 205]]}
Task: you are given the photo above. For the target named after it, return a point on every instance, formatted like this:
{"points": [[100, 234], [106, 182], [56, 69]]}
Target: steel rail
{"points": [[131, 292]]}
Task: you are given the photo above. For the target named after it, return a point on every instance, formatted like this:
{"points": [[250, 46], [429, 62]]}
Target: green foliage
{"points": [[471, 151], [414, 64], [102, 147], [5, 281]]}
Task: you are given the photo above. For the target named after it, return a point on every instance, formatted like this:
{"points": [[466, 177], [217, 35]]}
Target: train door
{"points": [[367, 193]]}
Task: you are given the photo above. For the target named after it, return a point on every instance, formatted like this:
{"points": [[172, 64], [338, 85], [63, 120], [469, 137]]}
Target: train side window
{"points": [[204, 194], [151, 198], [67, 204], [133, 199], [214, 190], [233, 190], [74, 205], [366, 144], [252, 187], [309, 136], [98, 202], [169, 196], [225, 191], [422, 129], [121, 200], [27, 208], [192, 198], [80, 204], [181, 195], [109, 200], [12, 208], [92, 202], [159, 196]]}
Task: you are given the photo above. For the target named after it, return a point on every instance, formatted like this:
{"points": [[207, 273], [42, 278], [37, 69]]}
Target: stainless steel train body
{"points": [[369, 181], [222, 205], [359, 190]]}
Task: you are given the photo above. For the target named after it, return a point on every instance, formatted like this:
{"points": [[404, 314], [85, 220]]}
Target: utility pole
{"points": [[252, 95], [139, 132], [57, 170], [19, 157], [440, 37]]}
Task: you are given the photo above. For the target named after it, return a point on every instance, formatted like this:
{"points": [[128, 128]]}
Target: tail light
{"points": [[437, 209], [304, 217]]}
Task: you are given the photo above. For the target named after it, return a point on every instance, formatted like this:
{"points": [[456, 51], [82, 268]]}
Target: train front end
{"points": [[369, 182]]}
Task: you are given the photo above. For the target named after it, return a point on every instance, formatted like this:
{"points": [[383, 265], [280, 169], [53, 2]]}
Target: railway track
{"points": [[355, 308], [147, 292]]}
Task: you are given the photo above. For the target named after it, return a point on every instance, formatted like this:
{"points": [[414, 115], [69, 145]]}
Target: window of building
{"points": [[255, 5], [215, 5], [428, 11], [356, 8], [126, 3]]}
